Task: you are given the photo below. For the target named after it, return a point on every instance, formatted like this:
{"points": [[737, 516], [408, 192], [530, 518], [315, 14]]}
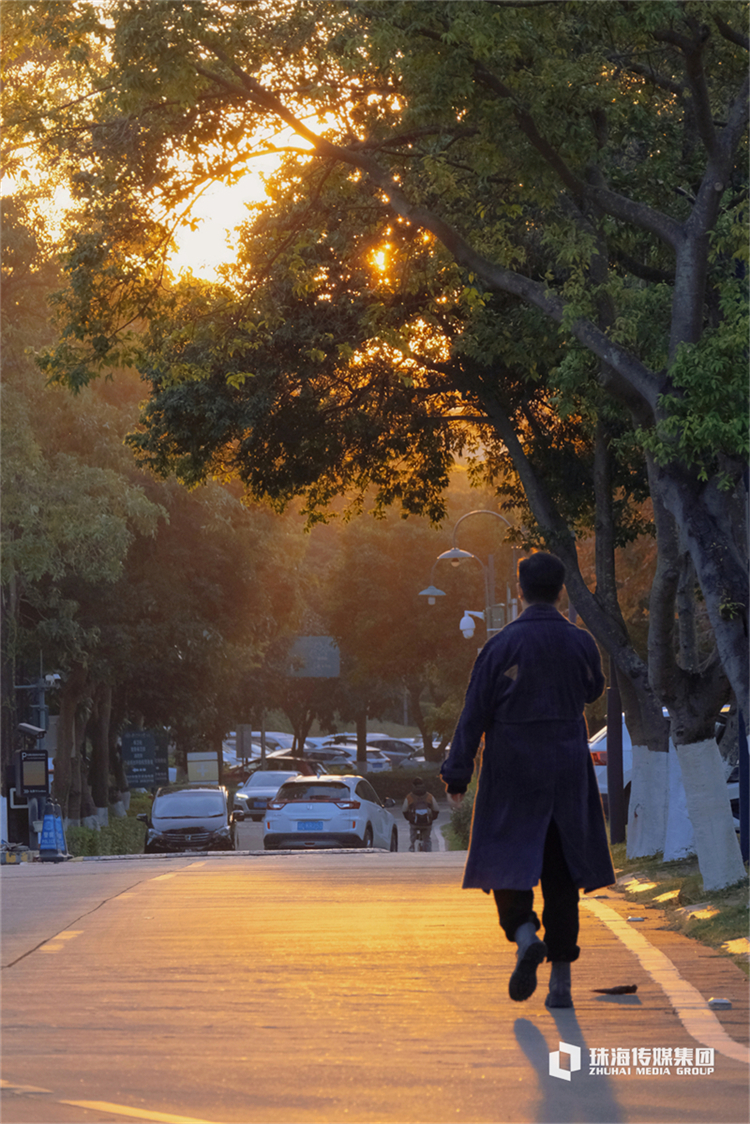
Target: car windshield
{"points": [[182, 805], [267, 778], [328, 791]]}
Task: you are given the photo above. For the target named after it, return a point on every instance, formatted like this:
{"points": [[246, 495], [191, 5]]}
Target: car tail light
{"points": [[276, 805], [344, 804], [599, 757]]}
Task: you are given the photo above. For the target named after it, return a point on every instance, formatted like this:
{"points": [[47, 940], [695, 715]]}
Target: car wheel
{"points": [[394, 840], [367, 841]]}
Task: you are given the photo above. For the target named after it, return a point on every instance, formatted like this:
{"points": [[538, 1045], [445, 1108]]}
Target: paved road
{"points": [[339, 987]]}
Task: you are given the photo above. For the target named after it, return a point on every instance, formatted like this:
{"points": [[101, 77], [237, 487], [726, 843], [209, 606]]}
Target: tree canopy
{"points": [[522, 217]]}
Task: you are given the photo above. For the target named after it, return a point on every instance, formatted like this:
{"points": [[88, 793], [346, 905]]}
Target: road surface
{"points": [[327, 987]]}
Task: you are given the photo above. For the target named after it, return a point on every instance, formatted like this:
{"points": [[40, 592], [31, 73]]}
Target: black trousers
{"points": [[560, 914]]}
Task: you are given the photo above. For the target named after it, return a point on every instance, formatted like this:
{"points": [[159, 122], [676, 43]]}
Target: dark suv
{"points": [[190, 817]]}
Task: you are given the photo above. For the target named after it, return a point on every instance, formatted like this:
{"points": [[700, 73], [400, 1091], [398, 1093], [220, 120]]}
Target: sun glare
{"points": [[201, 251]]}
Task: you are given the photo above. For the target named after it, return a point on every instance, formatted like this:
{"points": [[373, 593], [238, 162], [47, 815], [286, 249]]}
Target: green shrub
{"points": [[139, 802], [82, 840], [123, 836], [461, 816]]}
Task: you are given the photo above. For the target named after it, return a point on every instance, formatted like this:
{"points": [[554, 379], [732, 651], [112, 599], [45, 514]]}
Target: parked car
{"points": [[252, 798], [190, 817], [399, 752], [330, 758], [284, 759], [332, 811], [345, 752], [598, 751]]}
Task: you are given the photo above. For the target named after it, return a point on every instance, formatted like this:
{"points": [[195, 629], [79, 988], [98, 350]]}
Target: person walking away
{"points": [[537, 810], [420, 808]]}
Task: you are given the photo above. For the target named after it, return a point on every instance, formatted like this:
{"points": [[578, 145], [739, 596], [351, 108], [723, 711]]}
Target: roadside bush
{"points": [[123, 836], [82, 840], [139, 802], [460, 824]]}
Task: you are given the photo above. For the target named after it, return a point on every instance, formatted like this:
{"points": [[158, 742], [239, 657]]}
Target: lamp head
{"points": [[431, 593], [455, 555]]}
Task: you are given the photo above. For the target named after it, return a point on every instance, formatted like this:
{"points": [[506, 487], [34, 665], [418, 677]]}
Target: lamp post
{"points": [[455, 556]]}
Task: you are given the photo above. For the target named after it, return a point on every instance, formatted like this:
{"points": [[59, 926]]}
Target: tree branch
{"points": [[692, 50], [730, 34]]}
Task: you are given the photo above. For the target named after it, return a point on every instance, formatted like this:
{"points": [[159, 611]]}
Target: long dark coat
{"points": [[527, 692]]}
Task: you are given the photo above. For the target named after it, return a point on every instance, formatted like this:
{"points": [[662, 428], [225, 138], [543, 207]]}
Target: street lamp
{"points": [[455, 556]]}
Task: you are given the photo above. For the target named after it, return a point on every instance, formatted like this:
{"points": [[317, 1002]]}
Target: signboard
{"points": [[138, 750], [244, 742], [203, 767], [161, 757], [32, 777], [314, 657]]}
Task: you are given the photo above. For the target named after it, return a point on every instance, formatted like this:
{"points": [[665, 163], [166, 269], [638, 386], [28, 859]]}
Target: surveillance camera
{"points": [[52, 680], [31, 731], [467, 626]]}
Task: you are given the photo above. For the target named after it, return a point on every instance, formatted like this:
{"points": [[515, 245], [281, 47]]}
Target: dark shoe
{"points": [[522, 983], [559, 986]]}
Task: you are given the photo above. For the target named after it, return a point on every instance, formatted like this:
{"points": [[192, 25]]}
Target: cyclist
{"points": [[420, 808]]}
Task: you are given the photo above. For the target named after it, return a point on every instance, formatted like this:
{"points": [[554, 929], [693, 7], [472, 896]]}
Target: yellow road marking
{"points": [[52, 944], [12, 1088], [690, 1006], [139, 1113]]}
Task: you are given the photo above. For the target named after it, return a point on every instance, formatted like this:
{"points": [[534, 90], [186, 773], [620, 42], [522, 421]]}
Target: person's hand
{"points": [[455, 798]]}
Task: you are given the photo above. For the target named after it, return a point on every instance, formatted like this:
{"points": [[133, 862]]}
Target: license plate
{"points": [[309, 825]]}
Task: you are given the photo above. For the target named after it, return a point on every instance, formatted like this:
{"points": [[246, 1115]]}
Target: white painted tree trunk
{"points": [[647, 815], [102, 816], [680, 837], [716, 844]]}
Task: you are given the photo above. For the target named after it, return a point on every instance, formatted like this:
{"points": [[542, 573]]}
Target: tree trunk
{"points": [[649, 795], [99, 764], [71, 693], [680, 837], [711, 522], [718, 850], [362, 738]]}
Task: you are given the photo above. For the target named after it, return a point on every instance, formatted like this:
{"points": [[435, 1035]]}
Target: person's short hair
{"points": [[541, 577]]}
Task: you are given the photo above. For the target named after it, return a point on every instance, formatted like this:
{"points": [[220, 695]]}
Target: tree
{"points": [[586, 165], [394, 640], [152, 603], [419, 114]]}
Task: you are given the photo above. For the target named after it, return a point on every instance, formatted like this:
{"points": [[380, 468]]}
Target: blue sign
{"points": [[314, 657], [138, 750]]}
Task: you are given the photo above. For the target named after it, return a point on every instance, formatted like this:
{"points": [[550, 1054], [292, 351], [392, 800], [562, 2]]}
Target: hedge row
{"points": [[123, 836]]}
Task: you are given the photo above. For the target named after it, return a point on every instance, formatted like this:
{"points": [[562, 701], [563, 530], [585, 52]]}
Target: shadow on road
{"points": [[582, 1100]]}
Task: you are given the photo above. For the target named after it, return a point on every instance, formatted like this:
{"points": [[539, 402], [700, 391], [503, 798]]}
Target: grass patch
{"points": [[682, 878]]}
